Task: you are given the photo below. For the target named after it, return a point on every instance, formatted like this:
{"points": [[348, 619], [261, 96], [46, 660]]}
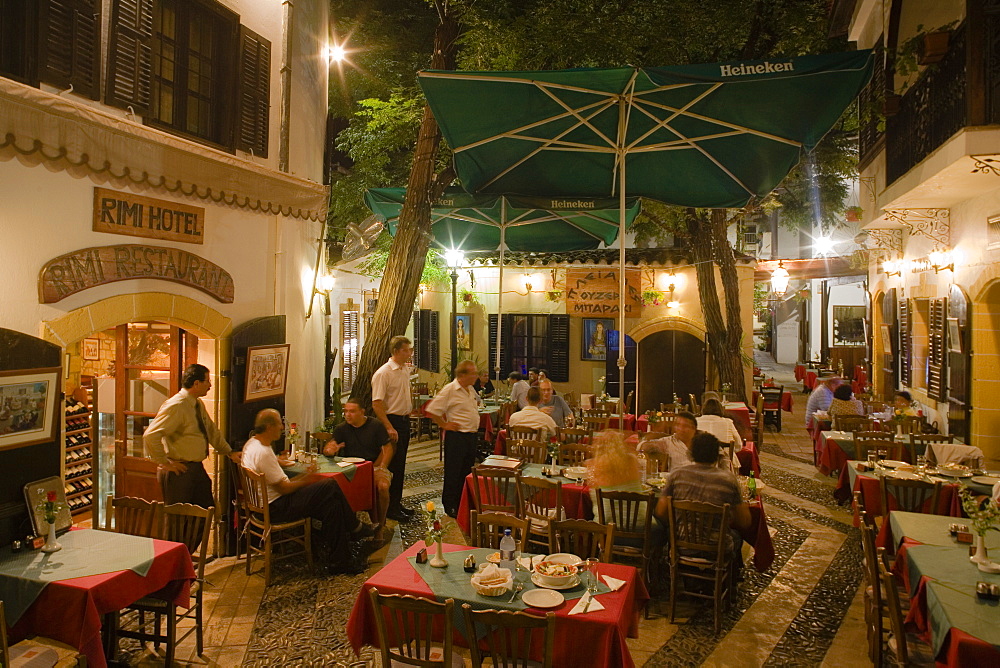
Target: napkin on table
{"points": [[582, 603], [344, 464], [528, 563], [614, 584]]}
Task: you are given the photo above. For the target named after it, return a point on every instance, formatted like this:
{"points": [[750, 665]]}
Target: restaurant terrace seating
{"points": [[523, 433], [703, 529], [528, 450], [772, 404], [853, 423], [573, 454], [912, 496], [906, 648], [919, 442], [263, 535], [509, 637], [407, 628], [488, 528], [583, 538], [876, 441], [64, 655], [543, 502], [876, 610], [572, 434], [496, 490], [136, 517], [595, 420], [663, 423], [632, 515]]}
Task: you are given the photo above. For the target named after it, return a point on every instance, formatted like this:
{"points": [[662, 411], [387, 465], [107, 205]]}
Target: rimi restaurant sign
{"points": [[137, 216], [90, 267]]}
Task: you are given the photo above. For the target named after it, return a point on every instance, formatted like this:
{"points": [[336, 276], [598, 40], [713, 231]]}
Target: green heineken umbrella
{"points": [[469, 222], [700, 135]]}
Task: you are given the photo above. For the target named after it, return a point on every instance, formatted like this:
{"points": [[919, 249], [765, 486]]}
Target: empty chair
{"points": [[509, 636], [136, 517], [906, 649], [524, 434], [852, 423], [876, 441], [919, 442], [263, 535], [534, 452], [874, 605], [700, 529], [573, 454], [407, 630], [582, 538], [572, 435], [772, 404], [191, 525], [912, 496], [542, 500], [596, 420], [632, 515], [62, 655], [663, 423], [496, 490], [487, 529]]}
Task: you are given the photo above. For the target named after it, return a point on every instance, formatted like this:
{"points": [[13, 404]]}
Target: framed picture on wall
{"points": [[463, 332], [954, 336], [848, 325], [29, 401], [91, 349], [886, 339], [267, 372], [593, 347]]}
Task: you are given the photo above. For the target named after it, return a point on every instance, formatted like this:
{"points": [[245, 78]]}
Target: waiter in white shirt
{"points": [[456, 411], [392, 403]]}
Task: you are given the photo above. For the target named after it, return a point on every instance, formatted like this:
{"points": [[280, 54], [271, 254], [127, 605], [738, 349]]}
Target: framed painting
{"points": [[267, 372], [886, 339], [849, 325], [91, 349], [29, 403], [594, 345], [954, 336], [463, 331]]}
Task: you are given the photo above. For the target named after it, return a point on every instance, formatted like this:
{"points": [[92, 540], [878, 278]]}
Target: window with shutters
{"points": [[532, 340], [349, 348], [905, 344], [17, 30], [937, 353], [426, 351], [69, 45], [180, 64]]}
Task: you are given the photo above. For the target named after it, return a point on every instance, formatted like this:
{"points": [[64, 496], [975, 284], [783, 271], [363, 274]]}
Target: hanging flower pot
{"points": [[652, 297], [553, 295], [854, 213], [933, 47]]}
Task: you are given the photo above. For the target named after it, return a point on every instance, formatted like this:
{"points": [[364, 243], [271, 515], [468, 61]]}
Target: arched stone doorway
{"points": [[671, 360], [983, 397]]}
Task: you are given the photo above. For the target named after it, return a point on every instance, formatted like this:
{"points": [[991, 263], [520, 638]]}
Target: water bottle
{"points": [[643, 465], [507, 547], [752, 486]]}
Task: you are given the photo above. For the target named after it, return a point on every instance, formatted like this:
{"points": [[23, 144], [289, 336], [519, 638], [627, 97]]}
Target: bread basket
{"points": [[493, 581]]}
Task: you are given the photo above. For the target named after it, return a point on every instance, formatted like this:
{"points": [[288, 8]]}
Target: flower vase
{"points": [[438, 560], [51, 545], [981, 557]]}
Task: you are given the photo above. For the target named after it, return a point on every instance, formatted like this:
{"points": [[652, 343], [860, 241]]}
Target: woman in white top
{"points": [[714, 421]]}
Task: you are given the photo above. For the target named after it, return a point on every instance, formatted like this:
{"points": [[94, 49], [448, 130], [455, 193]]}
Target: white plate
{"points": [[892, 463], [573, 581], [954, 473], [985, 480], [494, 558], [542, 598], [575, 472], [904, 475], [563, 558], [353, 460]]}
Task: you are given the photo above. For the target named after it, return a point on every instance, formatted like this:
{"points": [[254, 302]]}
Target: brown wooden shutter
{"points": [[254, 91], [434, 343], [505, 337], [349, 347], [69, 45], [905, 344], [558, 352], [418, 336], [130, 55], [937, 353]]}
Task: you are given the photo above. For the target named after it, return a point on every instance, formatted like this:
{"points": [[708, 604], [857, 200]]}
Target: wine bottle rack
{"points": [[79, 441]]}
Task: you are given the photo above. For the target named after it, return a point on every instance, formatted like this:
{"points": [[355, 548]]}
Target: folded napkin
{"points": [[528, 563], [344, 464], [614, 584], [582, 603]]}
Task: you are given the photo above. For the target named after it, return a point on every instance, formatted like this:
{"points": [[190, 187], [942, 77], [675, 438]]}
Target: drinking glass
{"points": [[872, 459], [922, 462], [592, 579]]}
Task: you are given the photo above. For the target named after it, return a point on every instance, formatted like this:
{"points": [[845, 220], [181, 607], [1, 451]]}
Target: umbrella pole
{"points": [[503, 228], [621, 261]]}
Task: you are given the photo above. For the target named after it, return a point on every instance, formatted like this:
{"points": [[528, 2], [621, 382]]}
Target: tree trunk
{"points": [[732, 372], [401, 280]]}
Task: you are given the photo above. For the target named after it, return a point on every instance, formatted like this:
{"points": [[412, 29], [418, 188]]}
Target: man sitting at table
{"points": [[308, 495], [518, 389], [484, 386], [821, 397], [714, 421], [705, 482], [532, 416], [674, 450], [554, 406], [368, 439]]}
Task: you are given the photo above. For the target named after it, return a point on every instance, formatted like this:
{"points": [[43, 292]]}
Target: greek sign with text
{"points": [[594, 292], [138, 216], [90, 267]]}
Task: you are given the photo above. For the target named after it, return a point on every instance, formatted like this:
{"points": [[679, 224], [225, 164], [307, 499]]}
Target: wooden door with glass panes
{"points": [[149, 360]]}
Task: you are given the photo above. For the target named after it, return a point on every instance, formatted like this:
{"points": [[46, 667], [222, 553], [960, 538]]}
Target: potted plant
{"points": [[652, 297], [854, 213], [553, 295], [933, 47], [469, 297]]}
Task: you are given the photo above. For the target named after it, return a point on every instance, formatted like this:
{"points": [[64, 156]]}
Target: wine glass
{"points": [[592, 580]]}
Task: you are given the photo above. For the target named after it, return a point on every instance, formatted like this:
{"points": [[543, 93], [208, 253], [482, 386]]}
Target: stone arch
{"points": [[678, 323], [177, 310]]}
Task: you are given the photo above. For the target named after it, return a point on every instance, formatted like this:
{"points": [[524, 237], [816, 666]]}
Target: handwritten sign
{"points": [[594, 292], [138, 216], [90, 267]]}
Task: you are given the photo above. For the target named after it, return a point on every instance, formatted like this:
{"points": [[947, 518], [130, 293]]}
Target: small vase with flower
{"points": [[49, 508], [983, 515], [434, 535]]}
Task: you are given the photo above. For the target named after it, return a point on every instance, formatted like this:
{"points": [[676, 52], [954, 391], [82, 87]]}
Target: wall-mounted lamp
{"points": [[336, 53], [325, 283], [941, 259], [892, 267], [779, 279]]}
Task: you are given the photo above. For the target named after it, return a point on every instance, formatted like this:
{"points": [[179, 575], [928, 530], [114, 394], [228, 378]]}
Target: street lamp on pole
{"points": [[454, 259]]}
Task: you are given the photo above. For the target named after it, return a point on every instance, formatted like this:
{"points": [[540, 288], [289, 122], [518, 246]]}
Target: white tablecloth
{"points": [[948, 453]]}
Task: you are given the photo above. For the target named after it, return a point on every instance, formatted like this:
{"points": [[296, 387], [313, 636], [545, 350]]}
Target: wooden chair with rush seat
{"points": [[531, 451], [486, 529], [37, 652], [509, 637], [582, 538], [408, 630], [263, 535], [496, 490]]}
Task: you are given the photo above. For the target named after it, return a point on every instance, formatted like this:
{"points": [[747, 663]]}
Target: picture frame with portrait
{"points": [[267, 372], [29, 401], [954, 336], [462, 331], [594, 341]]}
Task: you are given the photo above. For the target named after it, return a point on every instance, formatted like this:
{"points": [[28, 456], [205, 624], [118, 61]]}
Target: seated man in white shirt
{"points": [[676, 448], [308, 495], [532, 416], [714, 421], [518, 389]]}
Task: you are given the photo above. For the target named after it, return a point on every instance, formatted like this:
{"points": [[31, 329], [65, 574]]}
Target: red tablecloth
{"points": [[578, 505], [629, 422], [809, 381], [831, 456], [749, 459], [485, 420], [949, 502], [360, 491], [740, 415], [642, 423], [605, 630], [786, 400], [800, 371], [815, 428], [70, 611]]}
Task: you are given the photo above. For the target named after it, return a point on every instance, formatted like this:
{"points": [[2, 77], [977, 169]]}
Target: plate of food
{"points": [[578, 472], [494, 558], [353, 460], [985, 479], [954, 471], [572, 582], [892, 463], [904, 475], [542, 598], [555, 574]]}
